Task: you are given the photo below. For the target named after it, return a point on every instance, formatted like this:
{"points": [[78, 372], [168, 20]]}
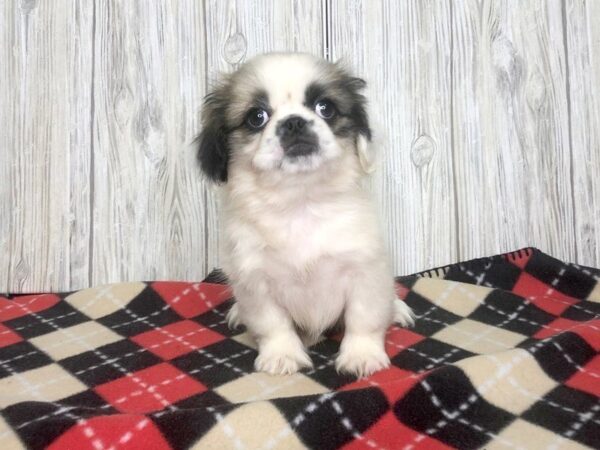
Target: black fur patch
{"points": [[345, 93], [213, 145]]}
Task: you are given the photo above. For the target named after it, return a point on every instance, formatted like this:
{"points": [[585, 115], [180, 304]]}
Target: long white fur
{"points": [[301, 243]]}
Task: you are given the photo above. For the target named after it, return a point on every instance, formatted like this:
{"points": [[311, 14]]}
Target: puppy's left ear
{"points": [[360, 118], [213, 142]]}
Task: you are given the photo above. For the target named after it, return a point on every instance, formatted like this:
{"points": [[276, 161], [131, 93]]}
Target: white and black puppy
{"points": [[287, 137]]}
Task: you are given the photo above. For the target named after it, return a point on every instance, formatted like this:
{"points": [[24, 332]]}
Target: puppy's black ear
{"points": [[358, 113], [360, 120], [212, 144]]}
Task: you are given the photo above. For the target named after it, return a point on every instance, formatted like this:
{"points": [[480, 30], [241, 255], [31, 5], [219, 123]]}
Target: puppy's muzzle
{"points": [[296, 136]]}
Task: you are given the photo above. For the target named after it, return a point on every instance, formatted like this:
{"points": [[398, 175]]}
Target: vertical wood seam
{"points": [[569, 125], [452, 146], [92, 148]]}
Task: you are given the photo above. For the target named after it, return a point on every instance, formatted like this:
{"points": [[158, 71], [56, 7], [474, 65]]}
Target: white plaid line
{"points": [[451, 416], [161, 310], [190, 346], [129, 434], [103, 356], [347, 423], [227, 428], [89, 432], [474, 336], [585, 271], [81, 309], [297, 421], [546, 295], [583, 419], [479, 279], [452, 285], [503, 371], [30, 325], [35, 390], [568, 358], [434, 361], [23, 306], [526, 302], [62, 409], [537, 346]]}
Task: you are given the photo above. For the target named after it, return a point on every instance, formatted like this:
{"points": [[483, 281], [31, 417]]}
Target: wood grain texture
{"points": [[148, 202], [403, 51], [486, 116], [512, 155], [582, 21], [43, 52]]}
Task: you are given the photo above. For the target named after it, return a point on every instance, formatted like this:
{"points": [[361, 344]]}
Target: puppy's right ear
{"points": [[212, 143]]}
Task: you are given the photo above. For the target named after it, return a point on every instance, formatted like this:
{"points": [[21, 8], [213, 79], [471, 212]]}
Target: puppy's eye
{"points": [[325, 109], [257, 118]]}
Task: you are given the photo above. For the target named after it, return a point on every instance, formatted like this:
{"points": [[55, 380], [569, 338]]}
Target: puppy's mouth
{"points": [[300, 148]]}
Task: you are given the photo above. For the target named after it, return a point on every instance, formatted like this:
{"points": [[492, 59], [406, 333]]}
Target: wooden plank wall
{"points": [[486, 114]]}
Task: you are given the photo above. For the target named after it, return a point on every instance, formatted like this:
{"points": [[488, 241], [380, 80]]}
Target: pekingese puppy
{"points": [[287, 137]]}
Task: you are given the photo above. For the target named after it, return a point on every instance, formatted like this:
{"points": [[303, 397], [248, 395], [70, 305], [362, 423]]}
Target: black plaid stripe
{"points": [[39, 423], [21, 357], [446, 406], [109, 362], [491, 272], [570, 413], [565, 278], [144, 313], [335, 417], [509, 311], [428, 354], [561, 355], [193, 418], [61, 315], [323, 372], [216, 319], [430, 318], [218, 363], [582, 311]]}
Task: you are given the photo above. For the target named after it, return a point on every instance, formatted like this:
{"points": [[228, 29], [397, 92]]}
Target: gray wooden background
{"points": [[487, 116]]}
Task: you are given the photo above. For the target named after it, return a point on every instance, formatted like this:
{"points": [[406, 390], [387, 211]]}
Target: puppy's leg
{"points": [[280, 350], [369, 312]]}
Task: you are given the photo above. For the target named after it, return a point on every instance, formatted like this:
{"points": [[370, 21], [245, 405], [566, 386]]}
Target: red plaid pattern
{"points": [[504, 353]]}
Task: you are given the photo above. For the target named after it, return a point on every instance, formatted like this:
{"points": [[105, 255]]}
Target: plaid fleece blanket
{"points": [[504, 354]]}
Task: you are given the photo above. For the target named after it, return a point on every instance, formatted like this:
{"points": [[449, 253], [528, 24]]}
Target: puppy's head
{"points": [[286, 113]]}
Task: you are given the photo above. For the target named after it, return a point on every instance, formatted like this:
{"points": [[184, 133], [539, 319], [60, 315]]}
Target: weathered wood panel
{"points": [[148, 202], [486, 114], [403, 50], [583, 44], [512, 155], [45, 52]]}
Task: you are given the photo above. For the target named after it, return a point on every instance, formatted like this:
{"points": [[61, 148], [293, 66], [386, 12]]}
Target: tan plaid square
{"points": [[48, 383], [8, 439], [255, 425], [262, 386], [104, 300], [595, 294], [74, 340], [478, 337], [455, 297], [522, 434], [512, 380]]}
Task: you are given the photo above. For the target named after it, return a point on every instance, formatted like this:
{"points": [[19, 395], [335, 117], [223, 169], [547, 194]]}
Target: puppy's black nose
{"points": [[292, 125]]}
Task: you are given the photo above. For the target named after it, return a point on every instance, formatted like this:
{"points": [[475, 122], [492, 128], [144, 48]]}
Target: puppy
{"points": [[287, 137]]}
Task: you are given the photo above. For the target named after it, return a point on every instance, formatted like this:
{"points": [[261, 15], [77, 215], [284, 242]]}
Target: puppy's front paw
{"points": [[361, 357], [279, 358], [403, 314]]}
